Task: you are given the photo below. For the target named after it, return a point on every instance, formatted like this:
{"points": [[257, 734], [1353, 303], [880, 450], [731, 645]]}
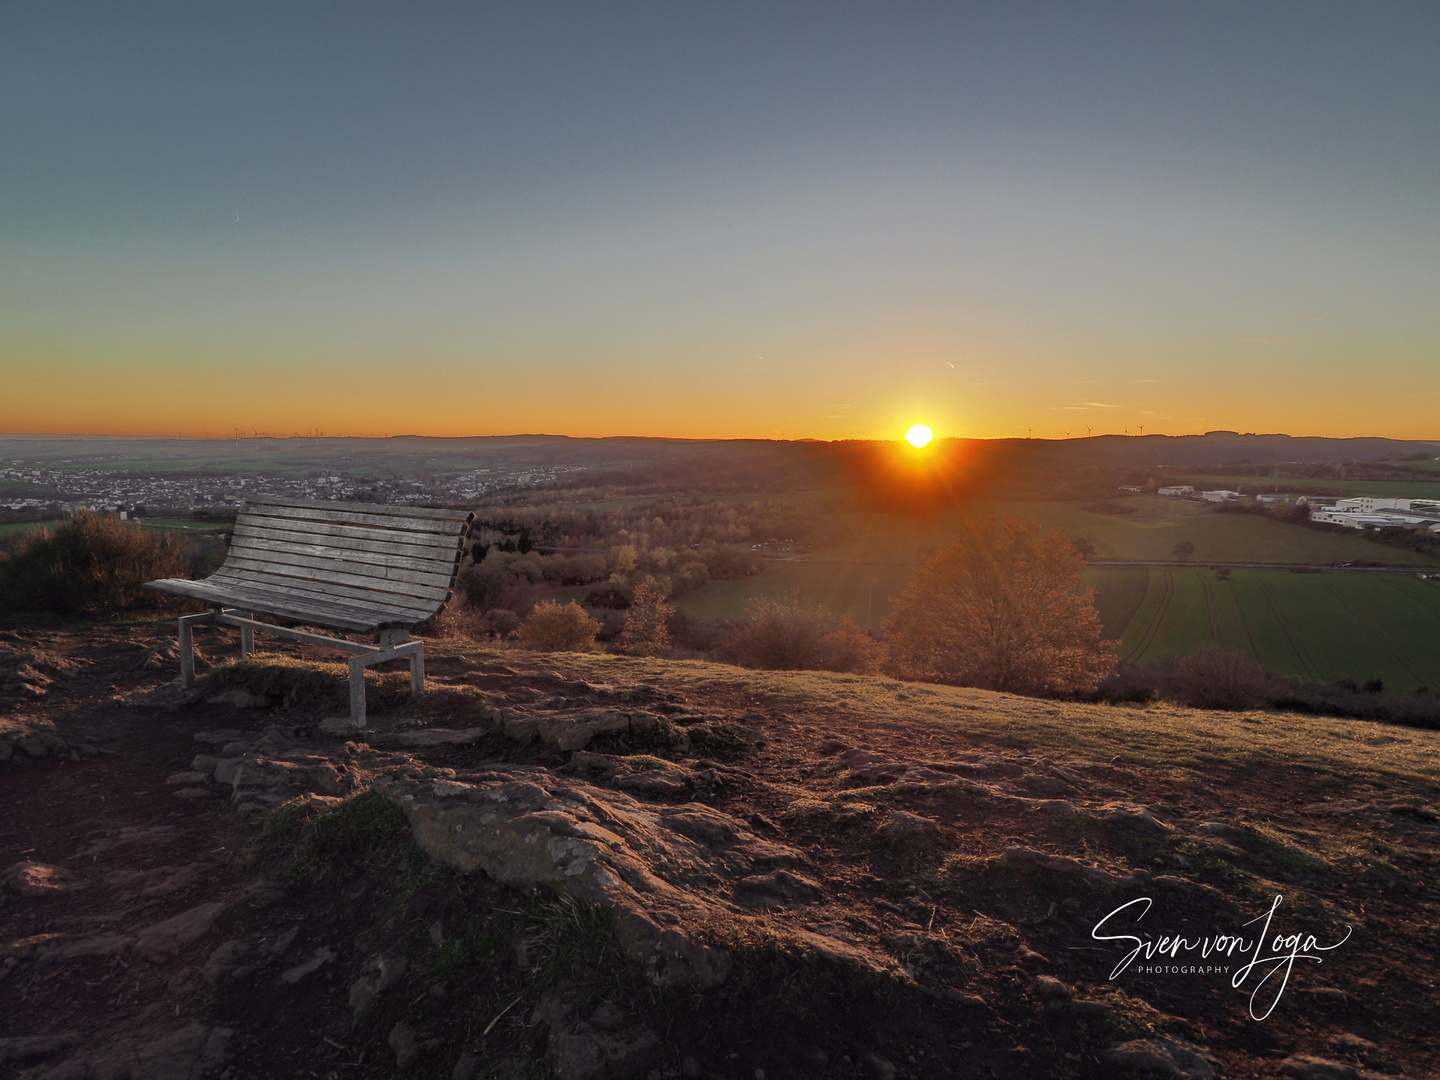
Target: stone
{"points": [[165, 939], [466, 1066], [240, 698], [878, 1067], [381, 973], [1050, 988], [187, 779], [777, 888], [598, 846], [670, 782], [1163, 1056], [188, 1053], [904, 829], [1134, 818], [31, 1047], [338, 727], [405, 1045], [318, 959]]}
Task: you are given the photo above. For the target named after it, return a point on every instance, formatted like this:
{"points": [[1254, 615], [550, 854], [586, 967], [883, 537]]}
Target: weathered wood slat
{"points": [[315, 602], [324, 598], [284, 574], [324, 592], [391, 537], [320, 606], [246, 540], [390, 576], [347, 547], [391, 510], [260, 600], [420, 526]]}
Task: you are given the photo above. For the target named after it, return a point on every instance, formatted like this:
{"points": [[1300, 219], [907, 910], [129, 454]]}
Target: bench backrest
{"points": [[395, 558]]}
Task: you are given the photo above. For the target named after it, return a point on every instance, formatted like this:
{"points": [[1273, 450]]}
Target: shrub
{"points": [[795, 634], [93, 564], [1001, 609], [646, 631], [1216, 678], [552, 627]]}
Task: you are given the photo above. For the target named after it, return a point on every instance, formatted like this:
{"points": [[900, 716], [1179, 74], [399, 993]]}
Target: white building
{"points": [[1219, 496], [1177, 491]]}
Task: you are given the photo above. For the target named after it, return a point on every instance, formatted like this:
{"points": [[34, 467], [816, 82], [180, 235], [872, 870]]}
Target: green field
{"points": [[1149, 531], [1316, 626], [1319, 627]]}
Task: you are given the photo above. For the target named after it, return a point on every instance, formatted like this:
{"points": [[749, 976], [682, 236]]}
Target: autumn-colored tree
{"points": [[1001, 609], [552, 627], [646, 631]]}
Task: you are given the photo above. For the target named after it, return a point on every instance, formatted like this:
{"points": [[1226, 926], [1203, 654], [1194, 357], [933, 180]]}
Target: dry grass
{"points": [[1187, 743]]}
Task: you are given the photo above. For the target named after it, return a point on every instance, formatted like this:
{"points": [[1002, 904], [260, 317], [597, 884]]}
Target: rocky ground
{"points": [[587, 867]]}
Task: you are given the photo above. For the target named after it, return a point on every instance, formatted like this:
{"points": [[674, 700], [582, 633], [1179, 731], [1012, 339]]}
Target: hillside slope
{"points": [[587, 866]]}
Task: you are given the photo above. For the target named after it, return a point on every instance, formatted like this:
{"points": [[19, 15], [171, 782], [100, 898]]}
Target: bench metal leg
{"points": [[187, 646], [247, 634], [417, 669]]}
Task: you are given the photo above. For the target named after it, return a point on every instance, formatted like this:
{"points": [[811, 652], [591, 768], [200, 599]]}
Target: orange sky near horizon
{"points": [[725, 221]]}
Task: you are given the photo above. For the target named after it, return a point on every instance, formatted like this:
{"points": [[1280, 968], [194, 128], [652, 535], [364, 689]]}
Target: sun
{"points": [[919, 436]]}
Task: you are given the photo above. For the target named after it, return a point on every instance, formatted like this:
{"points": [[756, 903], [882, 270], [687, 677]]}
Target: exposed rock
{"points": [[405, 1045], [32, 1047], [1163, 1056], [381, 973], [584, 1051], [318, 959], [166, 938], [599, 846], [1050, 988], [1137, 819], [186, 1054], [904, 829], [777, 888], [466, 1066], [240, 698], [666, 782]]}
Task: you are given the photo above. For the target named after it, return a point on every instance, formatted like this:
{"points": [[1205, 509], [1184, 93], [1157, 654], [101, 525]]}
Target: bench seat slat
{"points": [[312, 613], [420, 512], [407, 542], [420, 526], [360, 588], [314, 603], [392, 578], [368, 551], [320, 598], [422, 609]]}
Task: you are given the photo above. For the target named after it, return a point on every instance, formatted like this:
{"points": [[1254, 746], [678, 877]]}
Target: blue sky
{"points": [[720, 220]]}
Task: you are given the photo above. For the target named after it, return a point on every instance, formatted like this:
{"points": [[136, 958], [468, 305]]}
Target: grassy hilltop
{"points": [[859, 877]]}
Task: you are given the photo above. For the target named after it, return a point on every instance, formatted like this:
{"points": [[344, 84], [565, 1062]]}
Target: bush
{"points": [[646, 631], [552, 627], [93, 564], [794, 634], [1216, 678]]}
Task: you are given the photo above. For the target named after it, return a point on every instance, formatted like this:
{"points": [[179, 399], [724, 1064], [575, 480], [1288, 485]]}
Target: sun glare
{"points": [[919, 435]]}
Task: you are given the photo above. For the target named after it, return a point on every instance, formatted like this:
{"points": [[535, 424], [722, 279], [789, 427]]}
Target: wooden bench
{"points": [[352, 567]]}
